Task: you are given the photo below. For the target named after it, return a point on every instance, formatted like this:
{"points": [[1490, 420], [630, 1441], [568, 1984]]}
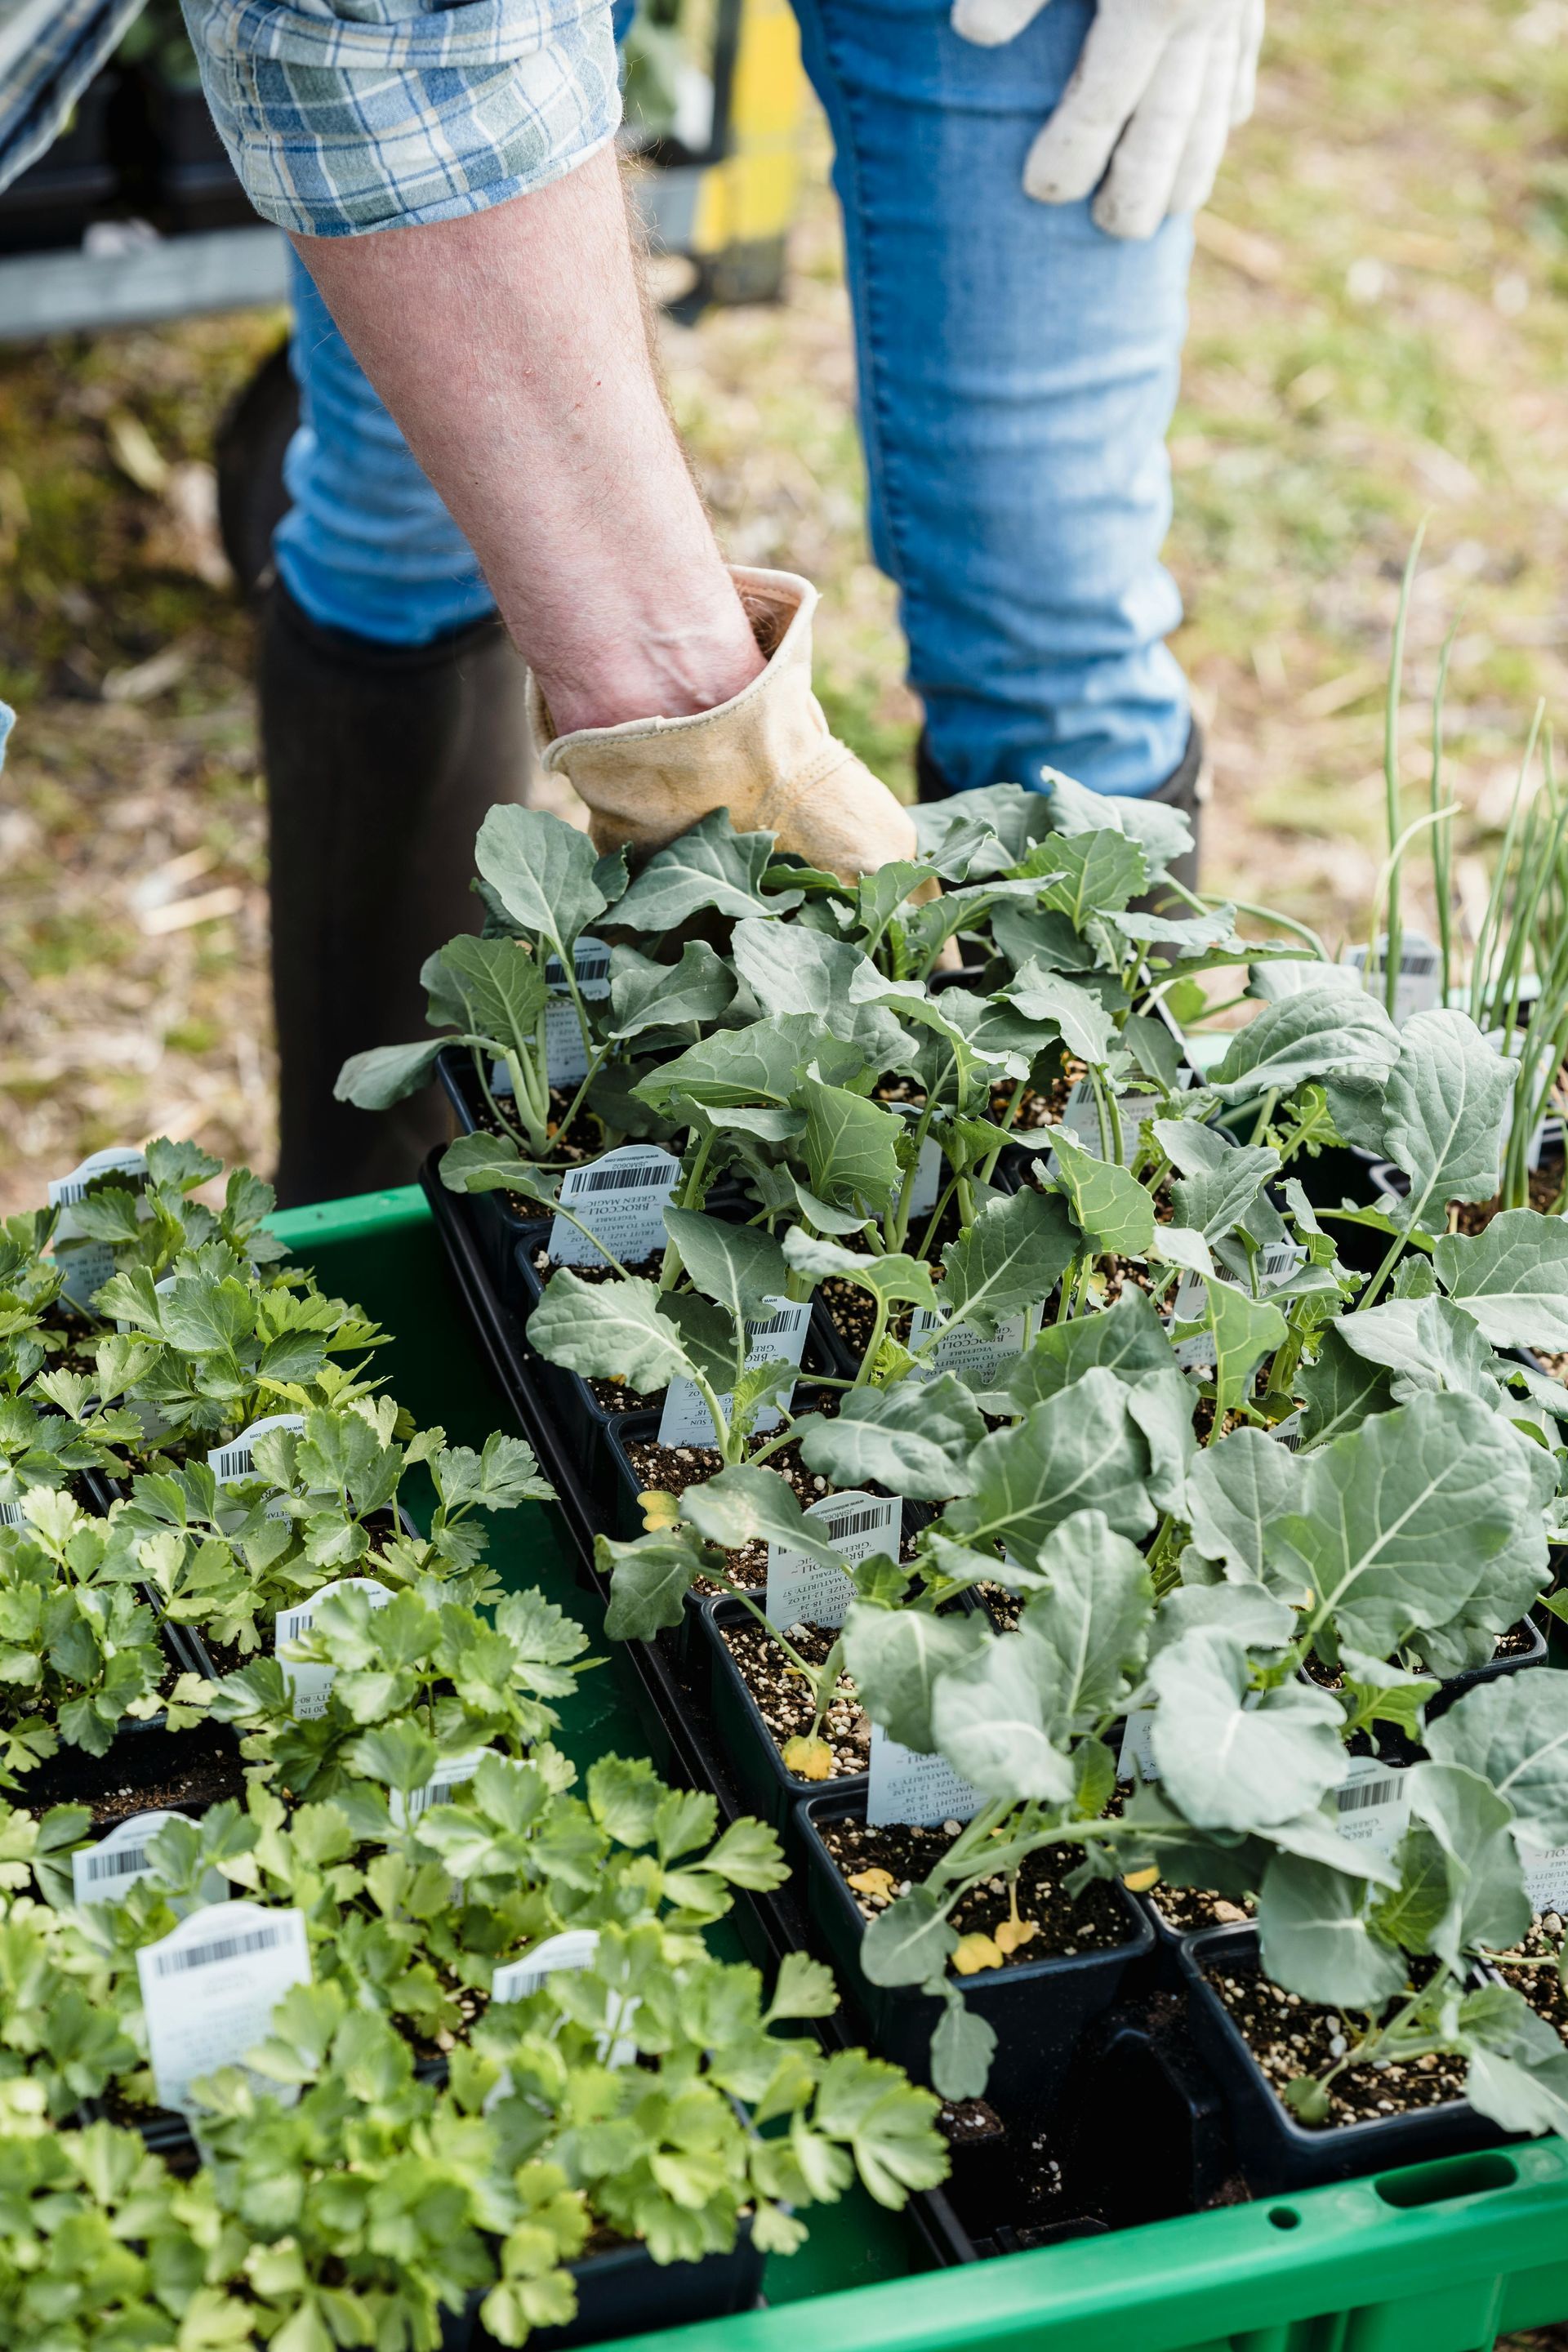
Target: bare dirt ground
{"points": [[1379, 309]]}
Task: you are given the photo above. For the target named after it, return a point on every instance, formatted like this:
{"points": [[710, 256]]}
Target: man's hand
{"points": [[1154, 97], [767, 755]]}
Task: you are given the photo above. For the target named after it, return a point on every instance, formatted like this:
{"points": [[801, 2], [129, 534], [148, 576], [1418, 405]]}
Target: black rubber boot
{"points": [[380, 763], [1180, 790]]}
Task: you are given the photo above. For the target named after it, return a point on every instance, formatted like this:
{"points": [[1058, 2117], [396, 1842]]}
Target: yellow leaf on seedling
{"points": [[811, 1759], [660, 1510], [873, 1881], [1140, 1881], [975, 1953], [1013, 1932]]}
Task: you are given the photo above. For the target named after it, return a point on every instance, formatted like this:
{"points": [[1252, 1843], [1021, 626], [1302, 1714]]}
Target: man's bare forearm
{"points": [[511, 349]]}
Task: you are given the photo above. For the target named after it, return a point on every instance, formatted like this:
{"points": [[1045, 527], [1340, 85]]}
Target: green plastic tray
{"points": [[1438, 2258]]}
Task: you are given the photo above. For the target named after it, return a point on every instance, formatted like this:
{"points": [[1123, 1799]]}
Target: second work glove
{"points": [[767, 755], [1152, 99]]}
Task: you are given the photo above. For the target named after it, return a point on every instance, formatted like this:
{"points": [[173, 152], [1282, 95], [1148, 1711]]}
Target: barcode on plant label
{"points": [[119, 1160], [590, 970], [308, 1684], [222, 1947], [232, 1463], [853, 1524], [1356, 1800], [12, 1516], [778, 1338], [787, 1319], [451, 1774], [1288, 1430], [1372, 1805], [115, 1865], [587, 1181], [1278, 1262], [105, 1872], [209, 1988], [909, 1788], [801, 1589], [620, 1198]]}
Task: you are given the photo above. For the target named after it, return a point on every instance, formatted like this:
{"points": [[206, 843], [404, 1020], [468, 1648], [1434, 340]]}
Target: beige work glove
{"points": [[1159, 87], [767, 755]]}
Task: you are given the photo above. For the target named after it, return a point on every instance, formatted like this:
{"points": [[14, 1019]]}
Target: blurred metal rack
{"points": [[140, 281]]}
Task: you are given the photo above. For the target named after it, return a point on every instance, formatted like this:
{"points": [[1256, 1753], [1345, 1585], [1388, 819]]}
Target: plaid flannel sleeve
{"points": [[344, 116]]}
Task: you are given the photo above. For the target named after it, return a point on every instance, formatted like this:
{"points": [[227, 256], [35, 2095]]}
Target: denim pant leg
{"points": [[366, 544], [1017, 372]]}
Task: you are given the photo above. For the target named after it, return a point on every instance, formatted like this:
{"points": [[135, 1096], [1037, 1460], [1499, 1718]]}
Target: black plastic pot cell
{"points": [[626, 2292], [766, 1786], [1140, 2059], [147, 1759], [1456, 1686], [73, 182], [1039, 2009], [1275, 2152]]}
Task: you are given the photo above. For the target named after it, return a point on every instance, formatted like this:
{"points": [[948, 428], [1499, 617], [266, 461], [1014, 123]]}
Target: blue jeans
{"points": [[1017, 369]]}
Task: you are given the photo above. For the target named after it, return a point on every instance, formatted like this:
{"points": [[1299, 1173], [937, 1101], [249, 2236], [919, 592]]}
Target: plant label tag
{"points": [[1374, 1808], [1418, 987], [574, 1948], [779, 1337], [12, 1516], [308, 1684], [565, 1056], [209, 1989], [452, 1773], [1081, 1115], [805, 1592], [1546, 1880], [925, 1184], [621, 1198], [1278, 1262], [907, 1787], [1136, 1760], [232, 1463], [982, 1362], [89, 1263], [106, 1872], [1189, 1305], [1288, 1430]]}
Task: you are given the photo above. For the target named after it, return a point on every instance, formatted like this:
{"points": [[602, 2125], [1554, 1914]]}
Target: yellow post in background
{"points": [[747, 200]]}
